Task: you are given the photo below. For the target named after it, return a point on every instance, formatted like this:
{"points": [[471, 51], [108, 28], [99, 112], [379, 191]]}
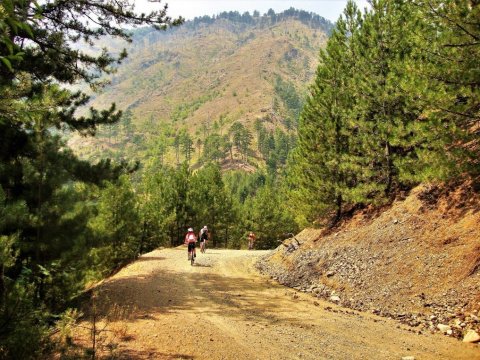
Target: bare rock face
{"points": [[471, 337]]}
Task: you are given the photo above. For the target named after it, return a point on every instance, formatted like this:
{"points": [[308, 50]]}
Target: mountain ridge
{"points": [[206, 75]]}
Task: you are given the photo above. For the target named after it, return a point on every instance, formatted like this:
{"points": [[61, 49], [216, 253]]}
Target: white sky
{"points": [[329, 9]]}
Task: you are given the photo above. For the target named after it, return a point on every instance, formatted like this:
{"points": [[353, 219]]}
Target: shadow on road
{"points": [[151, 354], [150, 258], [197, 264]]}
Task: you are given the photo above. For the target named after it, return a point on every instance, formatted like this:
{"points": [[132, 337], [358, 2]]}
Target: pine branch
{"points": [[453, 22]]}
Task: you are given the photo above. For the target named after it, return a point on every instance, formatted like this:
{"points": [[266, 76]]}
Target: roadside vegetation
{"points": [[395, 103]]}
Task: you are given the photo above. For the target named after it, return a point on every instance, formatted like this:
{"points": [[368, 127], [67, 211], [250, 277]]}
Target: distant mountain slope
{"points": [[202, 77]]}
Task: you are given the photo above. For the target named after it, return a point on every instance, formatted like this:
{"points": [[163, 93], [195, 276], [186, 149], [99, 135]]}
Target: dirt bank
{"points": [[418, 261]]}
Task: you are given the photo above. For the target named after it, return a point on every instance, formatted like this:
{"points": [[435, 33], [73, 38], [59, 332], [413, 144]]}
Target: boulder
{"points": [[443, 328], [334, 298], [471, 337]]}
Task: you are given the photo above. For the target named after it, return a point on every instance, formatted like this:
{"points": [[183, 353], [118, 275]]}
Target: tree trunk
{"points": [[388, 155], [226, 236], [2, 284], [143, 237], [338, 204]]}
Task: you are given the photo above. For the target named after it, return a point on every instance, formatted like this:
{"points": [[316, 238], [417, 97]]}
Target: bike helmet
{"points": [[205, 227], [190, 229]]}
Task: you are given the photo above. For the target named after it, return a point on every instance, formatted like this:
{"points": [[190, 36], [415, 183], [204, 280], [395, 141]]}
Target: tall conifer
{"points": [[322, 167]]}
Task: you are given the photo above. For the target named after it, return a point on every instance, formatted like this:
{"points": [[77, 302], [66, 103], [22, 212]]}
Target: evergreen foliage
{"points": [[117, 223], [46, 190], [211, 204], [451, 49], [268, 216], [274, 146], [289, 96], [241, 138], [172, 200], [394, 103]]}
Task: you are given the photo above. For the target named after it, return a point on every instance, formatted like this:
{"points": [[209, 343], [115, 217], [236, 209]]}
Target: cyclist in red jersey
{"points": [[190, 241]]}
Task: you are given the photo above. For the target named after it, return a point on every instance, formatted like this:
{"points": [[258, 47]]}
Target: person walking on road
{"points": [[251, 240]]}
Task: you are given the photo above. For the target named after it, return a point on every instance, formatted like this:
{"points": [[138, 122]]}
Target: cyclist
{"points": [[203, 238], [190, 240]]}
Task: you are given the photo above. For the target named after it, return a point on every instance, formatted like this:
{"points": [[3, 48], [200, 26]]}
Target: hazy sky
{"points": [[329, 9]]}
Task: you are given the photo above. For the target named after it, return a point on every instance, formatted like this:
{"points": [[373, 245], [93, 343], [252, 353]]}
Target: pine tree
{"points": [[118, 222], [199, 146], [157, 198], [394, 103], [213, 148], [176, 146], [228, 146], [449, 66], [383, 108], [268, 217], [324, 168], [241, 138], [37, 58], [400, 98], [127, 125], [210, 204], [181, 206], [186, 143]]}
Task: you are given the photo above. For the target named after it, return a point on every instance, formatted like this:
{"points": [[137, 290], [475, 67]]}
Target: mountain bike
{"points": [[191, 254]]}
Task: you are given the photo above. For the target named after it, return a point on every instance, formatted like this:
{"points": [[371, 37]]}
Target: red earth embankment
{"points": [[417, 261]]}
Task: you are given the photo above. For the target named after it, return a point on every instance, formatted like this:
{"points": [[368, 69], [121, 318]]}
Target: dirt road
{"points": [[222, 309]]}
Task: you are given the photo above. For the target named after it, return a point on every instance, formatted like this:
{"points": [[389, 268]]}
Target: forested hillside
{"points": [[227, 88]]}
